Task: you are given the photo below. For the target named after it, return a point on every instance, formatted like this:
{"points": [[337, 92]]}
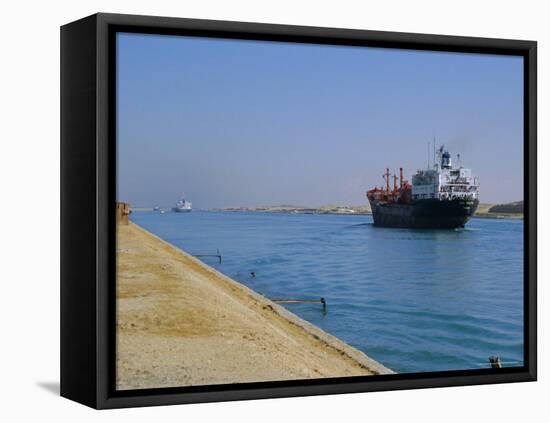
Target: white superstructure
{"points": [[444, 182], [183, 205]]}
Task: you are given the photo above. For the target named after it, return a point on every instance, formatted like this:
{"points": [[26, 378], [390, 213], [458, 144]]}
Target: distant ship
{"points": [[442, 197], [182, 206]]}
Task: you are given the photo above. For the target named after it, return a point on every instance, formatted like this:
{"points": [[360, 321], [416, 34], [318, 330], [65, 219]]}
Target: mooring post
{"points": [[324, 305], [495, 362]]}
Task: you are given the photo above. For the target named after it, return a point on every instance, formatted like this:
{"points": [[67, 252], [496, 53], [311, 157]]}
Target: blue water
{"points": [[414, 300]]}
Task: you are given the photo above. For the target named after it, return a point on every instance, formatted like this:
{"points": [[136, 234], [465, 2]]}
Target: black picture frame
{"points": [[88, 213]]}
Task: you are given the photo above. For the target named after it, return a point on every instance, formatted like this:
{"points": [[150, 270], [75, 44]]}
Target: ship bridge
{"points": [[444, 182]]}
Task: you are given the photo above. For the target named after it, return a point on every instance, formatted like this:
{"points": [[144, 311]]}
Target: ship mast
{"points": [[434, 151], [387, 178]]}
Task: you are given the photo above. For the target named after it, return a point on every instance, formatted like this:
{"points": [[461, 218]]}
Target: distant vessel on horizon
{"points": [[443, 197], [182, 206]]}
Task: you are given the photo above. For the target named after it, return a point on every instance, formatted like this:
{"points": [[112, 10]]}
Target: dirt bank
{"points": [[182, 323]]}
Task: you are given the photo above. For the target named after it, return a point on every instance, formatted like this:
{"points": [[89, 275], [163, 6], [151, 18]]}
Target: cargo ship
{"points": [[441, 197], [182, 206]]}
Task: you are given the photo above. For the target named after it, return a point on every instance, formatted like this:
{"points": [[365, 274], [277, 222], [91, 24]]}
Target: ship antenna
{"points": [[428, 155], [434, 150]]}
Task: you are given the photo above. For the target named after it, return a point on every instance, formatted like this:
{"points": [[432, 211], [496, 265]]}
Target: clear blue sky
{"points": [[244, 123]]}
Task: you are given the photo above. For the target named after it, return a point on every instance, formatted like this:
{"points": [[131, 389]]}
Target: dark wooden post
{"points": [[495, 362]]}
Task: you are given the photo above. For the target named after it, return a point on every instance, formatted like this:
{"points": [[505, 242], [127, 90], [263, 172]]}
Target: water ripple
{"points": [[417, 301]]}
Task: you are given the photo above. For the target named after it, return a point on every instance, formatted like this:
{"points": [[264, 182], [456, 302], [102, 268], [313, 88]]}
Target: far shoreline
{"points": [[344, 211]]}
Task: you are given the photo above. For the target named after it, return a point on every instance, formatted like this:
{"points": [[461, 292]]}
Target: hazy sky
{"points": [[244, 123]]}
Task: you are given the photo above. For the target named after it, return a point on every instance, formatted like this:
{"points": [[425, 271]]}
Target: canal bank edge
{"points": [[274, 311]]}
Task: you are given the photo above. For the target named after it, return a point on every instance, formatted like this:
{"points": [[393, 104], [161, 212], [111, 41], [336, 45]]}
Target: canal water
{"points": [[414, 300]]}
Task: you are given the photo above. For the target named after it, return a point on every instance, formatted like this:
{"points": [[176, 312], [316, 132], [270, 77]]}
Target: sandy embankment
{"points": [[483, 211], [182, 323]]}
